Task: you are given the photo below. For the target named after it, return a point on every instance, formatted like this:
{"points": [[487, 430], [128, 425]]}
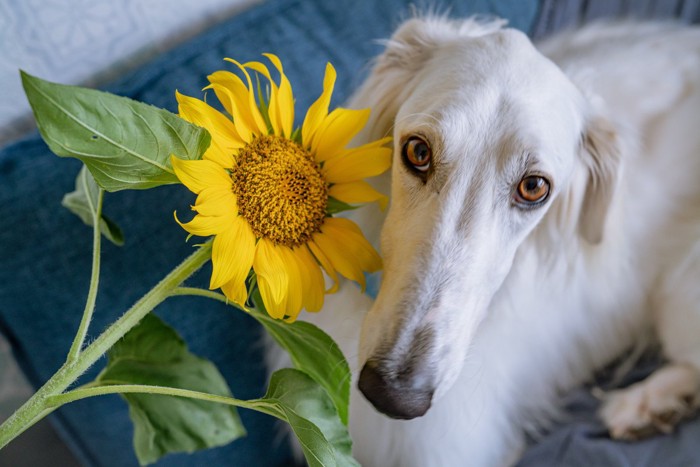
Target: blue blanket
{"points": [[46, 254]]}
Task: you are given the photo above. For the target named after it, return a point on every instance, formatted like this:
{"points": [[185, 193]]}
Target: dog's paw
{"points": [[655, 405]]}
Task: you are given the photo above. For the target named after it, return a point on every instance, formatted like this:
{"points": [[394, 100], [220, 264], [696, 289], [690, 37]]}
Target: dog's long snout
{"points": [[396, 397]]}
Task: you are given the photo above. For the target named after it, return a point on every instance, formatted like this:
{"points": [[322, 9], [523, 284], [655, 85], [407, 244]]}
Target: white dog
{"points": [[544, 219]]}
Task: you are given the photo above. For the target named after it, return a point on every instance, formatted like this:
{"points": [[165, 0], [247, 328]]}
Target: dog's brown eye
{"points": [[417, 154], [533, 189]]}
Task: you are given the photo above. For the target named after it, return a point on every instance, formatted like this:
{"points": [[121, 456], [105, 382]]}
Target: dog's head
{"points": [[488, 135]]}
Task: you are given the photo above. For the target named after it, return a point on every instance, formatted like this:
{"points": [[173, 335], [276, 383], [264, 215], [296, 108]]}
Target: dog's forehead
{"points": [[492, 88], [503, 57]]}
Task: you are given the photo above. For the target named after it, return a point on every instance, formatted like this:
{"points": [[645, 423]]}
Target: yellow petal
{"points": [[272, 109], [216, 201], [285, 98], [349, 233], [232, 255], [222, 157], [233, 94], [259, 127], [295, 289], [204, 226], [327, 266], [357, 164], [273, 281], [375, 144], [347, 249], [223, 132], [311, 278], [357, 192], [319, 109], [341, 261], [225, 84], [200, 174], [336, 131], [236, 291]]}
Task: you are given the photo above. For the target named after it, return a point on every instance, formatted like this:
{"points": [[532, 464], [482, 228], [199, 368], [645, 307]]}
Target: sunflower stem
{"points": [[44, 401], [197, 292], [79, 340], [85, 392]]}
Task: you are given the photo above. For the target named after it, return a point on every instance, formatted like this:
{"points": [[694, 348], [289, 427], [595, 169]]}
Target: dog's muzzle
{"points": [[395, 397]]}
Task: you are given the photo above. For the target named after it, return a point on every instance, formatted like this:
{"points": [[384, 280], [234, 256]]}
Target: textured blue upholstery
{"points": [[45, 251]]}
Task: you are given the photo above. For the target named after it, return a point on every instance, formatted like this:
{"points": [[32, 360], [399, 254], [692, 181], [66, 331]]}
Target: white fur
{"points": [[524, 305]]}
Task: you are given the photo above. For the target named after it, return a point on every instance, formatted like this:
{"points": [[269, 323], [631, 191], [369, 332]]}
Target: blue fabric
{"points": [[45, 251]]}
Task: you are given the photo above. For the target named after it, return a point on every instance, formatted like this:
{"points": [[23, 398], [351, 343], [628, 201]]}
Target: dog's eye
{"points": [[417, 153], [532, 189]]}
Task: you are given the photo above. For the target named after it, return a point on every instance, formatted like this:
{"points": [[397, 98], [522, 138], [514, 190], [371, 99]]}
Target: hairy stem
{"points": [[197, 292], [38, 405], [79, 340], [82, 393]]}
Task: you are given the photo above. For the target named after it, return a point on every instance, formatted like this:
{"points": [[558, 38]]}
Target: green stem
{"points": [[260, 315], [82, 393], [38, 407], [197, 292], [79, 340]]}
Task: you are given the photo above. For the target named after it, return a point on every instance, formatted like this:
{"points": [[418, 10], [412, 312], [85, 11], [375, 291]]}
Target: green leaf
{"points": [[335, 206], [296, 398], [83, 203], [124, 143], [152, 353], [314, 352]]}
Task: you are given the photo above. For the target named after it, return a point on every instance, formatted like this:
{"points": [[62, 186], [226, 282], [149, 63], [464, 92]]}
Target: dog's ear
{"points": [[600, 153], [392, 78]]}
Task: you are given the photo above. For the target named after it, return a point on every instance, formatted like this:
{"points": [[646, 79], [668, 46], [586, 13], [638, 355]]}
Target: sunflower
{"points": [[266, 191]]}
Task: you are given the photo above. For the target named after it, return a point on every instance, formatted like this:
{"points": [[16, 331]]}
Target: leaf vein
{"points": [[96, 132]]}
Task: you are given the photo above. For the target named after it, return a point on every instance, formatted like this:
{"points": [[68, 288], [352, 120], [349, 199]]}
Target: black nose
{"points": [[395, 397]]}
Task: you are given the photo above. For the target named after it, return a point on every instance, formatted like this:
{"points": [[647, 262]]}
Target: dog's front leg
{"points": [[671, 393]]}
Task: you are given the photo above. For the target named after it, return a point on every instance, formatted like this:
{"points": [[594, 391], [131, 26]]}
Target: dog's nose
{"points": [[397, 398]]}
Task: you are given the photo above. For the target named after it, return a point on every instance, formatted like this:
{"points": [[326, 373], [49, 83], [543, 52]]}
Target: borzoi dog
{"points": [[544, 219]]}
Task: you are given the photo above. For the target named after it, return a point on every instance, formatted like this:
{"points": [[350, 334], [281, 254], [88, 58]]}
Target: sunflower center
{"points": [[280, 190]]}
